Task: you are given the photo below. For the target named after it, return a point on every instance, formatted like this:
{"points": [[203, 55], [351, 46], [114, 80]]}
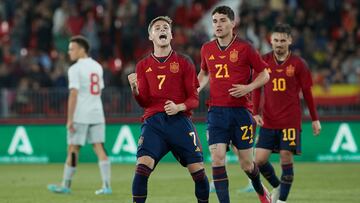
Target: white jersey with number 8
{"points": [[86, 75]]}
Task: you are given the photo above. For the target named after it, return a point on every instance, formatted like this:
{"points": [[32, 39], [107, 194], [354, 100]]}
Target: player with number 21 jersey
{"points": [[230, 65]]}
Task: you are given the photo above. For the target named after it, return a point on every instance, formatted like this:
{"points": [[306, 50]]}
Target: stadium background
{"points": [[34, 36]]}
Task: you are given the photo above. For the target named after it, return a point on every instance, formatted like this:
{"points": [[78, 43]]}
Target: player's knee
{"points": [[247, 165], [195, 167], [218, 162], [218, 159], [286, 157], [147, 161], [260, 161]]}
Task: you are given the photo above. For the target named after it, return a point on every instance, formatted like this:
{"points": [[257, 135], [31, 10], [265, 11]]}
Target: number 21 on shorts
{"points": [[245, 129]]}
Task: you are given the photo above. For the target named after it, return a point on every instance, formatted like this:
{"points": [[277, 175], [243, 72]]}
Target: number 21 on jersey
{"points": [[222, 71]]}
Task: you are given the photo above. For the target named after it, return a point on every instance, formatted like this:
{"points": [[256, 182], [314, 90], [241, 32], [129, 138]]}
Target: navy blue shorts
{"points": [[231, 124], [161, 133], [280, 139]]}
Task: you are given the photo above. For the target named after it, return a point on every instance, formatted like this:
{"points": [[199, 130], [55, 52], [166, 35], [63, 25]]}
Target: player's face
{"points": [[74, 51], [160, 33], [222, 25], [280, 42]]}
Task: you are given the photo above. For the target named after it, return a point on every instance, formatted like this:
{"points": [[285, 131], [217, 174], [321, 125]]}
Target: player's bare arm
{"points": [[239, 90], [71, 109], [259, 120], [171, 108], [316, 126], [132, 78], [203, 78]]}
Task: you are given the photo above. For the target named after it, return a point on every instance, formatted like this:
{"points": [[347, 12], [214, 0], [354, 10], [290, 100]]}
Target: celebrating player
{"points": [[228, 62], [85, 118], [165, 85], [281, 116]]}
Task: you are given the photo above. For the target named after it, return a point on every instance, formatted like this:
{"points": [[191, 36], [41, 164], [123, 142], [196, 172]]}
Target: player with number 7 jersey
{"points": [[165, 85], [166, 78]]}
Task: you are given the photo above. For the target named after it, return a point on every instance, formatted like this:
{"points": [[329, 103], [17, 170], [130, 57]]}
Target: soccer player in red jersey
{"points": [[281, 114], [228, 62], [165, 85]]}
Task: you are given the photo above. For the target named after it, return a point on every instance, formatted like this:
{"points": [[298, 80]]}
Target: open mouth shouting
{"points": [[163, 37]]}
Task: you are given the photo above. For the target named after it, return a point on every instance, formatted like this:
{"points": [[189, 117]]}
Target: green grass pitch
{"points": [[314, 182]]}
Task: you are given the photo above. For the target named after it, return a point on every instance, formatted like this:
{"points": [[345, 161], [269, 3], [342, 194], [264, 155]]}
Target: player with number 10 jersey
{"points": [[86, 75]]}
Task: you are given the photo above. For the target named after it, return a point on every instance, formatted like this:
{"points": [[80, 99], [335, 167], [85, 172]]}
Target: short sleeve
{"points": [[73, 75], [102, 85]]}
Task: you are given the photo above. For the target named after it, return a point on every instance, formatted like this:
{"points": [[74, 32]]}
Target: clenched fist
{"points": [[132, 78]]}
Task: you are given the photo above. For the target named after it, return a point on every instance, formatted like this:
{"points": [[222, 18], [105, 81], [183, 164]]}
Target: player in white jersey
{"points": [[85, 118]]}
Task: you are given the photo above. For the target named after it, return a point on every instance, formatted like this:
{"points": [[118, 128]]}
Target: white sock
{"points": [[105, 172], [67, 176]]}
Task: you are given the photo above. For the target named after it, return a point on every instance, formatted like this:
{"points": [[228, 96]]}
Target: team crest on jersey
{"points": [[290, 70], [174, 67], [234, 55]]}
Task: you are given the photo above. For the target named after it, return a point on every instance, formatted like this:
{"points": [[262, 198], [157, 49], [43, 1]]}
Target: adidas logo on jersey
{"points": [[148, 70], [212, 57]]}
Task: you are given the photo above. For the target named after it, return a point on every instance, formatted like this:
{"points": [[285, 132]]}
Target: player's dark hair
{"points": [[164, 18], [82, 42], [224, 10], [282, 28]]}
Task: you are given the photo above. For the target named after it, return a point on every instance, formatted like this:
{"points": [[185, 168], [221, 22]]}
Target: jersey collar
{"points": [[276, 61], [232, 41], [154, 57]]}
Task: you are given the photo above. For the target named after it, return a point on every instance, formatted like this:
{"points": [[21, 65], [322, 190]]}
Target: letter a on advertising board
{"points": [[124, 141], [344, 140], [20, 142]]}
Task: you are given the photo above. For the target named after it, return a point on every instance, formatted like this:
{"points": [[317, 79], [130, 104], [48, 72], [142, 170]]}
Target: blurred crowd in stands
{"points": [[34, 35]]}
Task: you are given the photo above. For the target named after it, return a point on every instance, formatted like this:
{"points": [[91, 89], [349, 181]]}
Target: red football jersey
{"points": [[233, 65], [173, 79], [282, 108]]}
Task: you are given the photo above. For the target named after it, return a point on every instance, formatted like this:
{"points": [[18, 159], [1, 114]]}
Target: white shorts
{"points": [[89, 133]]}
